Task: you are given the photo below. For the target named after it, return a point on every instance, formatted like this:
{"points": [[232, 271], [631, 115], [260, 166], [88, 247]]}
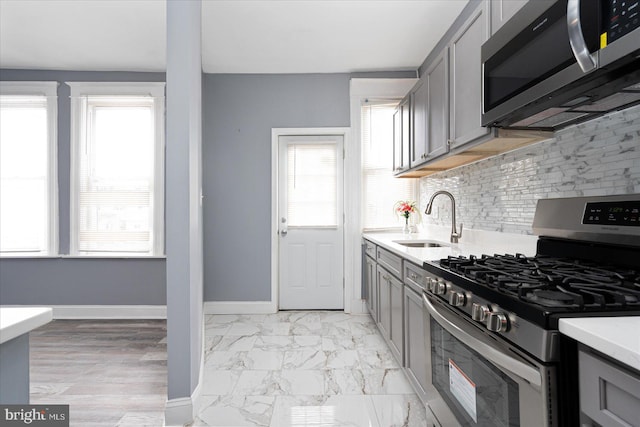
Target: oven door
{"points": [[477, 380]]}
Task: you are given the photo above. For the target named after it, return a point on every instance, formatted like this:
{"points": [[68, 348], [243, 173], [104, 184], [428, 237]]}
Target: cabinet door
{"points": [[372, 287], [384, 302], [415, 347], [466, 79], [502, 11], [405, 106], [397, 141], [396, 338], [419, 102], [438, 107]]}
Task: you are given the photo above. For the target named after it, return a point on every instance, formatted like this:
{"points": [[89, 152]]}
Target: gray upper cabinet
{"points": [[502, 11], [419, 102], [401, 139], [431, 112], [466, 78]]}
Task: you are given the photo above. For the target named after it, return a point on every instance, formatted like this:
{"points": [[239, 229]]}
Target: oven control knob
{"points": [[497, 322], [457, 299], [431, 282], [440, 288], [479, 312]]}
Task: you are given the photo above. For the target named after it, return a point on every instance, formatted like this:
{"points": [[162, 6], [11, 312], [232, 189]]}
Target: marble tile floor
{"points": [[289, 369], [110, 372], [299, 369]]}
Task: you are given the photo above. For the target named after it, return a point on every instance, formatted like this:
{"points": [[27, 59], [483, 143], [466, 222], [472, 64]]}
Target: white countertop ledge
{"points": [[616, 337], [16, 321]]}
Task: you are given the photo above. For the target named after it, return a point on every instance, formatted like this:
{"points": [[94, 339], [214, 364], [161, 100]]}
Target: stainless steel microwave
{"points": [[560, 62]]}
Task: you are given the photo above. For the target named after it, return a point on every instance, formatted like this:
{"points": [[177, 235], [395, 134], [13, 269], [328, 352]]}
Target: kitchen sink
{"points": [[420, 243]]}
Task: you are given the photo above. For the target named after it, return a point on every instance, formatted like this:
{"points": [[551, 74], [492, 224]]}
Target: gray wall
{"points": [[72, 280], [239, 112]]}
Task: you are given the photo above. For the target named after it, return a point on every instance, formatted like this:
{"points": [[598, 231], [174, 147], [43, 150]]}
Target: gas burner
{"points": [[550, 298]]}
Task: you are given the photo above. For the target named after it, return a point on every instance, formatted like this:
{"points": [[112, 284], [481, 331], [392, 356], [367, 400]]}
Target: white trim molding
{"points": [[359, 91], [109, 311], [176, 411], [50, 91], [83, 96]]}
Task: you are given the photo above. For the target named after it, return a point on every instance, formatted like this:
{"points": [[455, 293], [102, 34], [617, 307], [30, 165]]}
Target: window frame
{"points": [[48, 89], [414, 182], [81, 90]]}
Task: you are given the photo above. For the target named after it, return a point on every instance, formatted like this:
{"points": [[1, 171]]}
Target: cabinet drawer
{"points": [[415, 277], [609, 394], [370, 249], [393, 263]]}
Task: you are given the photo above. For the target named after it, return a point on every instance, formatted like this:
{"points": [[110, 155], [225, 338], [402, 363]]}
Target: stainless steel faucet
{"points": [[455, 235]]}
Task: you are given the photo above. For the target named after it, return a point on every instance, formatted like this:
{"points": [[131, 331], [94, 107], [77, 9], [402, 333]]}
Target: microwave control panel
{"points": [[620, 17]]}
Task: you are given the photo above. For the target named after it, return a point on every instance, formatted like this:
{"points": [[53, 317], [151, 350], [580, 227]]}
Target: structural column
{"points": [[183, 215]]}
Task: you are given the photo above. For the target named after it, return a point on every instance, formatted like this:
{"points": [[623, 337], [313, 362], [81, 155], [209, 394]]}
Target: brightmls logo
{"points": [[34, 415]]}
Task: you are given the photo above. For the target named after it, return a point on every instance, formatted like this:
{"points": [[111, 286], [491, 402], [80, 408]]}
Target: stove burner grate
{"points": [[551, 282]]}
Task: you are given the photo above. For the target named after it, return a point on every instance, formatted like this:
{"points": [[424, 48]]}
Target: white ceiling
{"points": [[238, 36]]}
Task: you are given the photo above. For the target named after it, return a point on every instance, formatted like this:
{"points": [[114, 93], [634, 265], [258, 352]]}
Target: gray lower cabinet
{"points": [[609, 393], [371, 286], [415, 345], [390, 311]]}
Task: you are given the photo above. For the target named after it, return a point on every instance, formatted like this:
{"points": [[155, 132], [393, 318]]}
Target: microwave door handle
{"points": [[579, 47], [489, 352]]}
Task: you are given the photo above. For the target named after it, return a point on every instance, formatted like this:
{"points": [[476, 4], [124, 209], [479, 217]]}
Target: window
{"points": [[117, 196], [28, 197], [380, 190], [312, 183]]}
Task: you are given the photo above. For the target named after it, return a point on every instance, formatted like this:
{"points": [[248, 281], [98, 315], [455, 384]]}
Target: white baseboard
{"points": [[109, 311], [178, 412], [240, 307], [359, 306]]}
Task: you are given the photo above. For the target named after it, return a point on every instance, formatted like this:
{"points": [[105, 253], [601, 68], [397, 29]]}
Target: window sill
{"points": [[83, 257]]}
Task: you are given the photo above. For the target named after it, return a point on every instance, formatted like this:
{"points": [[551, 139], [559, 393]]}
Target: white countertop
{"points": [[16, 321], [616, 337], [472, 242]]}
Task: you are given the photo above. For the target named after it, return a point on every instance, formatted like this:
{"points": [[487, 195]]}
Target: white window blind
{"points": [[27, 169], [312, 185], [380, 190], [118, 182]]}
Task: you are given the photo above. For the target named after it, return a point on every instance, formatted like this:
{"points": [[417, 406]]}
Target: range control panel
{"points": [[612, 213]]}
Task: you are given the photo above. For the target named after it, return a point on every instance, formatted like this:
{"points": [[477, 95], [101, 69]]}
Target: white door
{"points": [[310, 211]]}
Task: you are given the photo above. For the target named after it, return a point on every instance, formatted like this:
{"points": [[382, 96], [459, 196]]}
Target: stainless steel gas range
{"points": [[496, 355]]}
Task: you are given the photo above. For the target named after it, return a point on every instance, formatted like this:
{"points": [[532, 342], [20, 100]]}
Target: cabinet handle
{"points": [[385, 277], [413, 276]]}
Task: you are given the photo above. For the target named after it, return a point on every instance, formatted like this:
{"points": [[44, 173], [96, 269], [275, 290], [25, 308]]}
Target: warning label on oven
{"points": [[463, 389]]}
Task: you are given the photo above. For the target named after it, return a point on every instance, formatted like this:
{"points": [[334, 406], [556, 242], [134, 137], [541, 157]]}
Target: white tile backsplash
{"points": [[599, 157]]}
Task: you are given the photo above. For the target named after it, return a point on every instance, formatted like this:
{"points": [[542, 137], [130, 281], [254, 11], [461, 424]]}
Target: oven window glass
{"points": [[477, 392]]}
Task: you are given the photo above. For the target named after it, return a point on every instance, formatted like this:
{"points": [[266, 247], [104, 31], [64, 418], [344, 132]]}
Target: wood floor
{"points": [[110, 372]]}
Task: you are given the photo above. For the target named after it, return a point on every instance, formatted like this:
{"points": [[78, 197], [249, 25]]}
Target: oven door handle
{"points": [[495, 356]]}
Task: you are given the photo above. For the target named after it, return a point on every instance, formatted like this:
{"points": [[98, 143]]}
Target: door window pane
{"points": [[312, 185]]}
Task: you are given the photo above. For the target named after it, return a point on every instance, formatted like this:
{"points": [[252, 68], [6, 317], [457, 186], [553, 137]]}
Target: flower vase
{"points": [[406, 229]]}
